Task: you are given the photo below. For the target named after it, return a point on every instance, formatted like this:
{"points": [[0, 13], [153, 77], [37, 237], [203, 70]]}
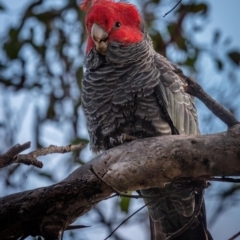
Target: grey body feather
{"points": [[136, 91]]}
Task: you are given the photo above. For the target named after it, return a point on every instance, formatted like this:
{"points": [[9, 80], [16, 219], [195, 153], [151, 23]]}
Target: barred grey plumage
{"points": [[136, 91]]}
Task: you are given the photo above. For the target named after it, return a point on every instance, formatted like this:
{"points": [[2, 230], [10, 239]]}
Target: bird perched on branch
{"points": [[128, 92]]}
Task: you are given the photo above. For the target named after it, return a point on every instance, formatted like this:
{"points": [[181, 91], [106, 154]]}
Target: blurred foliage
{"points": [[235, 57], [41, 67], [228, 197]]}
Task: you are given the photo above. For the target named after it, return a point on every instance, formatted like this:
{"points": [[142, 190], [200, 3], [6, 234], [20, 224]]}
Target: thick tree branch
{"points": [[136, 165]]}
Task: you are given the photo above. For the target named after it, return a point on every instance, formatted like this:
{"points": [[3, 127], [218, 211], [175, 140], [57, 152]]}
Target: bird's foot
{"points": [[126, 138], [121, 139], [113, 142]]}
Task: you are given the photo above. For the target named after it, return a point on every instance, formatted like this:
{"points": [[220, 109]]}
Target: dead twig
{"points": [[13, 156], [10, 156]]}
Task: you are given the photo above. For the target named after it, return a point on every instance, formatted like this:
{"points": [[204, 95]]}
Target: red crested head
{"points": [[110, 21]]}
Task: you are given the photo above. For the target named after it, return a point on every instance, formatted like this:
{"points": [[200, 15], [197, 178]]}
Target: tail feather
{"points": [[198, 232], [168, 218], [156, 230]]}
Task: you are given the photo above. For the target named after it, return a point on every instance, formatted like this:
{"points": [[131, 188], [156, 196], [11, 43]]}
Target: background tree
{"points": [[41, 60]]}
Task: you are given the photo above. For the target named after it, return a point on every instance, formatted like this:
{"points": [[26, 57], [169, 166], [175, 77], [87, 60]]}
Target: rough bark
{"points": [[136, 165]]}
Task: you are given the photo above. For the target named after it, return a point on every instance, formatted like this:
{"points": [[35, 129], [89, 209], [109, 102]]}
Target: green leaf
{"points": [[80, 140], [200, 8], [181, 42], [51, 111], [194, 8], [235, 57], [13, 45], [190, 61], [157, 41], [125, 203], [171, 28]]}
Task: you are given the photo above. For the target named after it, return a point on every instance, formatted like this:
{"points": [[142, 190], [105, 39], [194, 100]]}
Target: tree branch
{"points": [[10, 156], [194, 89], [13, 156], [136, 165]]}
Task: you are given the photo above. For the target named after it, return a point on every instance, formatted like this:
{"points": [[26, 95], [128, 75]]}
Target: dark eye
{"points": [[117, 24]]}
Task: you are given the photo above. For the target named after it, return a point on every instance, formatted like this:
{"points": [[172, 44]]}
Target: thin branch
{"points": [[52, 149], [194, 89], [73, 227], [9, 157], [93, 202], [235, 236], [224, 179], [172, 8], [27, 160], [154, 196], [13, 156], [108, 222], [187, 225], [31, 158], [125, 220]]}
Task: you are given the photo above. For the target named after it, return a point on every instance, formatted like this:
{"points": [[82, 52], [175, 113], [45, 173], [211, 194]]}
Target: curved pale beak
{"points": [[100, 38]]}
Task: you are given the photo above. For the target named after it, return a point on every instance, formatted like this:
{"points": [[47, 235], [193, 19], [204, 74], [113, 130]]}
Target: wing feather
{"points": [[178, 104]]}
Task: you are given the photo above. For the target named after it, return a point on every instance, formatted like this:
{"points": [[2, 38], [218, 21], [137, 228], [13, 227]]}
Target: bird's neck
{"points": [[120, 55]]}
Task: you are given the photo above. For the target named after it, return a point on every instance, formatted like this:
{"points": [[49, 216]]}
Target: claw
{"points": [[126, 138], [113, 141]]}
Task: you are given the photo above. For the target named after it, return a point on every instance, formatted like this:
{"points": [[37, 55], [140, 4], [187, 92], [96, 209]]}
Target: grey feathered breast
{"points": [[136, 91]]}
